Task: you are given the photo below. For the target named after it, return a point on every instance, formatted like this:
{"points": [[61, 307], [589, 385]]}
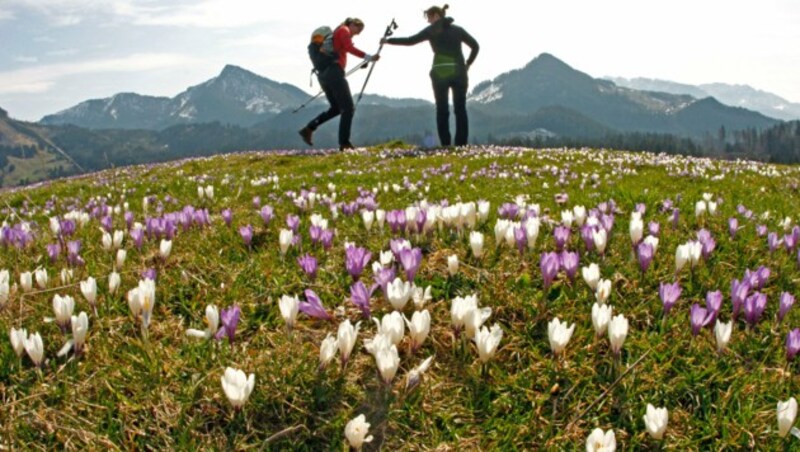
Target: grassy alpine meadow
{"points": [[482, 298]]}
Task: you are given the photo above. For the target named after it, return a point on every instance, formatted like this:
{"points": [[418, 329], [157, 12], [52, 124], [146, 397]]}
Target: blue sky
{"points": [[57, 53]]}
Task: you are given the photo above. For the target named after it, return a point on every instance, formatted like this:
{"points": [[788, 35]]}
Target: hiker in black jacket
{"points": [[449, 69]]}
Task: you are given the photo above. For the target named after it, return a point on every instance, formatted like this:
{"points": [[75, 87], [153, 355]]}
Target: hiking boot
{"points": [[306, 133], [348, 145]]}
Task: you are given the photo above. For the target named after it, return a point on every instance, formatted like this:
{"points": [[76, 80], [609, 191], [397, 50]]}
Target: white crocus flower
{"points": [[681, 257], [652, 241], [600, 441], [603, 291], [35, 348], [600, 238], [114, 281], [165, 248], [415, 374], [346, 339], [579, 214], [327, 350], [89, 290], [559, 335], [421, 296], [459, 307], [452, 264], [40, 274], [532, 225], [121, 256], [418, 327], [17, 337], [474, 319], [722, 333], [700, 208], [787, 412], [285, 240], [655, 420], [368, 217], [487, 340], [392, 326], [388, 361], [106, 241], [212, 320], [26, 281], [119, 236], [398, 292], [380, 217], [636, 229], [356, 432], [62, 308], [237, 386], [601, 315], [476, 243], [617, 331], [80, 327], [66, 276], [289, 307], [591, 275], [386, 258], [209, 191]]}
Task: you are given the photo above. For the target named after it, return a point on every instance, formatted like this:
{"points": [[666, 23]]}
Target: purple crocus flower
{"points": [[763, 276], [640, 207], [308, 264], [315, 233], [739, 292], [383, 277], [561, 234], [607, 222], [137, 235], [792, 343], [107, 223], [149, 273], [570, 262], [733, 226], [356, 258], [508, 211], [411, 259], [669, 294], [53, 250], [549, 264], [129, 218], [396, 220], [713, 306], [256, 202], [227, 216], [327, 238], [67, 228], [267, 213], [761, 230], [790, 241], [786, 302], [246, 232], [229, 318], [521, 239], [360, 295], [676, 215], [292, 221], [645, 254], [698, 316], [313, 306], [754, 306], [654, 228], [773, 241], [422, 218], [587, 235]]}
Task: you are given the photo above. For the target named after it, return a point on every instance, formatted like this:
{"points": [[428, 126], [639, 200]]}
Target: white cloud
{"points": [[41, 78], [26, 59], [6, 15]]}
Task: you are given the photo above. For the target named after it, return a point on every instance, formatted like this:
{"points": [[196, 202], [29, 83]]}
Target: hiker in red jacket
{"points": [[334, 84], [449, 71]]}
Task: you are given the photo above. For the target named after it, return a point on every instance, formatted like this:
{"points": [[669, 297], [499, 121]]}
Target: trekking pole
{"points": [[313, 98], [389, 31]]}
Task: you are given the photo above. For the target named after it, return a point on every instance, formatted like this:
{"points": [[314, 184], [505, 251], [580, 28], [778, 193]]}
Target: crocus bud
{"points": [[559, 335], [601, 441], [237, 386], [487, 341], [787, 412], [722, 333], [452, 264], [617, 331], [655, 420], [356, 432], [601, 315]]}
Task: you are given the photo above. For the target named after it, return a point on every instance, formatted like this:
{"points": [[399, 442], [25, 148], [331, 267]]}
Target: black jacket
{"points": [[445, 39]]}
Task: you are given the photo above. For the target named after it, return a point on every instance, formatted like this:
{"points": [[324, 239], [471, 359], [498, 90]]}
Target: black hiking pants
{"points": [[443, 82], [337, 91]]}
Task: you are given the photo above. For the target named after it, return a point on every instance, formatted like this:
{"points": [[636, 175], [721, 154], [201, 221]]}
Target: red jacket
{"points": [[343, 44]]}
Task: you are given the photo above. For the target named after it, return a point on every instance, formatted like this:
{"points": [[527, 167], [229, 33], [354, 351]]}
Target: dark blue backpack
{"points": [[320, 49]]}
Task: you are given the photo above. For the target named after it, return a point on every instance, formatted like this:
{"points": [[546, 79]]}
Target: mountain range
{"points": [[239, 110], [744, 96]]}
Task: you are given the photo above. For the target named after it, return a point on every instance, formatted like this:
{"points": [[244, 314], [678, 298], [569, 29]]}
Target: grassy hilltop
{"points": [[159, 388]]}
